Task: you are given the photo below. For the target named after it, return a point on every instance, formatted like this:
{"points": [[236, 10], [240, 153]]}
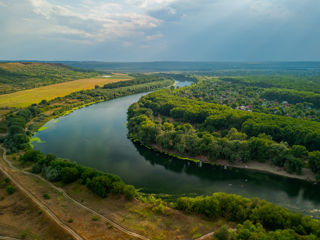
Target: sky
{"points": [[160, 30]]}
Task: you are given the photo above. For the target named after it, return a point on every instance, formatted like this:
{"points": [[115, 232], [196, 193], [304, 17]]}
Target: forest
{"points": [[278, 101], [302, 83], [257, 219], [193, 121]]}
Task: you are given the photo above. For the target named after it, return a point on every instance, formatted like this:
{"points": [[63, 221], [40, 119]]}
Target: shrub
{"points": [[46, 196], [117, 188], [10, 189], [129, 192], [222, 233], [36, 168], [69, 174], [51, 173], [100, 185], [32, 156]]}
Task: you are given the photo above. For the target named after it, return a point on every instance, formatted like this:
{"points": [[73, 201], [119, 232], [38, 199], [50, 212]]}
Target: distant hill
{"points": [[16, 76], [206, 68]]}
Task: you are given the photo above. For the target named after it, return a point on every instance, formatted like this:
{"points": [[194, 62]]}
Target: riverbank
{"points": [[307, 174], [153, 223], [62, 107]]}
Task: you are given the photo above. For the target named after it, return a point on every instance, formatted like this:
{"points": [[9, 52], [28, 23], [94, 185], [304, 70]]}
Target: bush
{"points": [[51, 173], [129, 192], [222, 233], [117, 188], [36, 168], [69, 174], [100, 185], [32, 156], [10, 189], [46, 196]]}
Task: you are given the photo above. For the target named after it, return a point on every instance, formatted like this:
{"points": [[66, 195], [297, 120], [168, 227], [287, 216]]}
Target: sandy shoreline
{"points": [[307, 174]]}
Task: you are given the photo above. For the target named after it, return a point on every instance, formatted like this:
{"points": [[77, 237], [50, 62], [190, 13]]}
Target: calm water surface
{"points": [[96, 136]]}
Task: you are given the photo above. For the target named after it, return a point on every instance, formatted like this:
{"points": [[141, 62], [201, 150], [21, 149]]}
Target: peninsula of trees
{"points": [[234, 120]]}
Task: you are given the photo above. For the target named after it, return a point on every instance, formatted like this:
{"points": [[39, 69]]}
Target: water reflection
{"points": [[96, 136], [246, 182]]}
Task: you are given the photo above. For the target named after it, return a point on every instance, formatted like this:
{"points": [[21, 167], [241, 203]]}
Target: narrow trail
{"points": [[60, 190], [37, 202], [207, 236], [8, 238]]}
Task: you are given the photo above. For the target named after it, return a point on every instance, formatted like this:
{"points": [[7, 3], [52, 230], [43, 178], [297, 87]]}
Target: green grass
{"points": [[42, 128], [35, 139], [19, 76]]}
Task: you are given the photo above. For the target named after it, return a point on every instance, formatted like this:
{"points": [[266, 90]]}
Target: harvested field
{"points": [[27, 97]]}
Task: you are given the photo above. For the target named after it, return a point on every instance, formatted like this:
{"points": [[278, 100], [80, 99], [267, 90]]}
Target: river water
{"points": [[96, 136]]}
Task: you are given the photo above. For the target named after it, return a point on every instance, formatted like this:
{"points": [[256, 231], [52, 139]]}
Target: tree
{"points": [[222, 233], [100, 185], [278, 153], [33, 156], [299, 151], [129, 192], [294, 164], [51, 173], [314, 161], [69, 174], [233, 134]]}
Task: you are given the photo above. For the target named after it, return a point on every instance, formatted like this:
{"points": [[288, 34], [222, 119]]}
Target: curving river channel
{"points": [[96, 136]]}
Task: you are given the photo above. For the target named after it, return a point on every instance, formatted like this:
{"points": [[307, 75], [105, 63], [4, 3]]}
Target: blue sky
{"points": [[156, 30]]}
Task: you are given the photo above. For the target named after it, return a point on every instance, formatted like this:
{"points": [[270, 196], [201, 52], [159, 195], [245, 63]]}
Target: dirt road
{"points": [[46, 209]]}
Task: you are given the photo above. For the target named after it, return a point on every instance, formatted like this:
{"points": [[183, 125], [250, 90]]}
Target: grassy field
{"points": [[20, 218], [19, 76], [27, 97]]}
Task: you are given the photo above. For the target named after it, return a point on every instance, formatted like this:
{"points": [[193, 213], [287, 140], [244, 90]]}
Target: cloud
{"points": [[270, 9], [154, 36], [107, 20], [160, 29]]}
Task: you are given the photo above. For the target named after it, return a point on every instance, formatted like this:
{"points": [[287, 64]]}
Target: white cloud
{"points": [[101, 20], [107, 20], [150, 4]]}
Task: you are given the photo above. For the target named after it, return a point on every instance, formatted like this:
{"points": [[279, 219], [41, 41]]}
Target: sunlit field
{"points": [[27, 97]]}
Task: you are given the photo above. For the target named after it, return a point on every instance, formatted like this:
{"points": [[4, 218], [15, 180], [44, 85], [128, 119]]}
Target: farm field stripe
{"points": [[27, 97]]}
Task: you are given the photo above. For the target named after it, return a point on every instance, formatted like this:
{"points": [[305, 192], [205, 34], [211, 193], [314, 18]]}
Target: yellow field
{"points": [[27, 97]]}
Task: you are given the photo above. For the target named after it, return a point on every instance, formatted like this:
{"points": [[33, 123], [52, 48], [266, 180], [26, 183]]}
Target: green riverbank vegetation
{"points": [[54, 169], [190, 122], [22, 123], [256, 219], [190, 127]]}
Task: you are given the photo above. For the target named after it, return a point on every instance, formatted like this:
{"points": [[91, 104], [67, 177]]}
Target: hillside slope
{"points": [[19, 76]]}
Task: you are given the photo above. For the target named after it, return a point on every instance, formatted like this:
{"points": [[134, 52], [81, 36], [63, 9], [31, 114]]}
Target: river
{"points": [[96, 136]]}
